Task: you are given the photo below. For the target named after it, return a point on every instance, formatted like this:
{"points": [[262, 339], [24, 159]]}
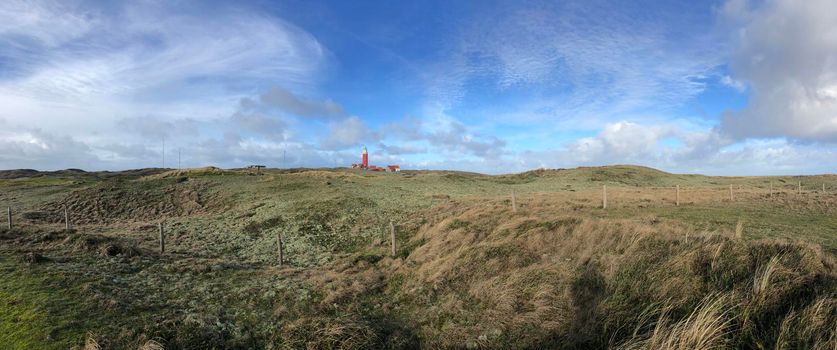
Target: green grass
{"points": [[759, 222], [37, 311], [35, 182]]}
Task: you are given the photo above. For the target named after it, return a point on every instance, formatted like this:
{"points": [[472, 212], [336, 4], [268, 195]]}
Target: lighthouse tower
{"points": [[365, 160]]}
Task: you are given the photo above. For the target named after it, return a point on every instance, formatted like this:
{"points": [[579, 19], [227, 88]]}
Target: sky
{"points": [[714, 87]]}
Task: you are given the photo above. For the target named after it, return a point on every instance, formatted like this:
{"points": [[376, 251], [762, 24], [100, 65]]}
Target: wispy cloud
{"points": [[143, 53], [44, 23], [579, 59]]}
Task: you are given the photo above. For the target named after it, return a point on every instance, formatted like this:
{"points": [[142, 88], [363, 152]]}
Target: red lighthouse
{"points": [[364, 164]]}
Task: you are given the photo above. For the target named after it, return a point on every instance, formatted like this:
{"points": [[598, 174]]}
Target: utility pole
{"points": [[164, 152], [178, 159]]}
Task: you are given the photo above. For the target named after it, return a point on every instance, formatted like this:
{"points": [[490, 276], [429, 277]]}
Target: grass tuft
{"points": [[706, 327]]}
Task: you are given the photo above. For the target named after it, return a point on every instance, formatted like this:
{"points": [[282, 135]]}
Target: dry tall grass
{"points": [[707, 327], [90, 343], [329, 333], [814, 327], [761, 282], [484, 276]]}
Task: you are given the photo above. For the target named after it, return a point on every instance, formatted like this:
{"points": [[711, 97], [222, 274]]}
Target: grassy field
{"points": [[757, 271]]}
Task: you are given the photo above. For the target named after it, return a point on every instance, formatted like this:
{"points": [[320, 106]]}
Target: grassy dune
{"points": [[754, 272]]}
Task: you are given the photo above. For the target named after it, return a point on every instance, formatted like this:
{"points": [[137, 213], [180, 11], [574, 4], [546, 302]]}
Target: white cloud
{"points": [[33, 148], [696, 151], [764, 157], [346, 133], [732, 83], [786, 52], [621, 142]]}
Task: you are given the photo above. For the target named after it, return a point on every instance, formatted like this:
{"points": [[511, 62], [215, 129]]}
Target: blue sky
{"points": [[727, 87]]}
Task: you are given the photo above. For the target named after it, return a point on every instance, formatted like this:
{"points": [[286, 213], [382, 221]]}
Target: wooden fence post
{"points": [[162, 239], [677, 196], [514, 202], [66, 219], [9, 211], [799, 187], [604, 196], [730, 192], [392, 236], [823, 188], [280, 248]]}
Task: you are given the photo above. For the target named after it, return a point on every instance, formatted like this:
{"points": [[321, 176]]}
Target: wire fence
{"points": [[609, 196]]}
